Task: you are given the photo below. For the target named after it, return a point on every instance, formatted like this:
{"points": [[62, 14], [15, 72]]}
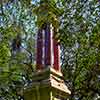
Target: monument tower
{"points": [[48, 83], [47, 49]]}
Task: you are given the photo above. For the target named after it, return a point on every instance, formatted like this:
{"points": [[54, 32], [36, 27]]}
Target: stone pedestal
{"points": [[47, 85]]}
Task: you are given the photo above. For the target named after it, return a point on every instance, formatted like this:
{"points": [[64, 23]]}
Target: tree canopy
{"points": [[78, 23]]}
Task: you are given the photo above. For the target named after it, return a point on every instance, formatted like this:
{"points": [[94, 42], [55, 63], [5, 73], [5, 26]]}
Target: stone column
{"points": [[48, 48]]}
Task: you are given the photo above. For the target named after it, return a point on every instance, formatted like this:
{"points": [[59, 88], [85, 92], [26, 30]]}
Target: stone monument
{"points": [[48, 82]]}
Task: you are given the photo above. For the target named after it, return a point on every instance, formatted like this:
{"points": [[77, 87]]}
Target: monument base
{"points": [[47, 84]]}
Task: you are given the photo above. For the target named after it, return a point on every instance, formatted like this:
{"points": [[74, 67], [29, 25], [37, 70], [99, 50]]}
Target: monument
{"points": [[48, 82]]}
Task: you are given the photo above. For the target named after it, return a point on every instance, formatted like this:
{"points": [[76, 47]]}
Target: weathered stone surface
{"points": [[47, 85]]}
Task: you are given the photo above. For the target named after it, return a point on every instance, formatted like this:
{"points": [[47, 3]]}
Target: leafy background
{"points": [[78, 22]]}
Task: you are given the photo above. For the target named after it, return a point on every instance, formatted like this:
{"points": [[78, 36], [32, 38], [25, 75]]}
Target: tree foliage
{"points": [[79, 32]]}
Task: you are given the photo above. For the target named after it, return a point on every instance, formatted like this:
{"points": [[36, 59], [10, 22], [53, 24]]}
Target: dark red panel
{"points": [[39, 50], [56, 55]]}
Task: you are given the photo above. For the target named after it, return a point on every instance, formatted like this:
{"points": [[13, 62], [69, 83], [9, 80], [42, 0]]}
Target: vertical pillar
{"points": [[47, 45], [56, 55], [39, 64], [47, 48]]}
